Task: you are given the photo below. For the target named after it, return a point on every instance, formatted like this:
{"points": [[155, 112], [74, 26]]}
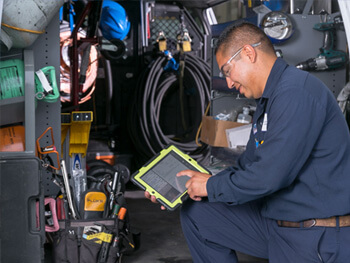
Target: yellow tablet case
{"points": [[158, 176]]}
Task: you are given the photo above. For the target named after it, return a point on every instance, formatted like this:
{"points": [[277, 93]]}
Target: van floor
{"points": [[162, 240]]}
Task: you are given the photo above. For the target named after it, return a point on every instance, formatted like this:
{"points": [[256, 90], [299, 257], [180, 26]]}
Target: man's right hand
{"points": [[153, 199]]}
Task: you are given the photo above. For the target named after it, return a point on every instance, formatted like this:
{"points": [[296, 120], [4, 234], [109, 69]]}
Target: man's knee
{"points": [[194, 210], [191, 214]]}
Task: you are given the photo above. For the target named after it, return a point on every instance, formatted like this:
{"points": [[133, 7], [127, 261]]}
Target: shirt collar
{"points": [[275, 74]]}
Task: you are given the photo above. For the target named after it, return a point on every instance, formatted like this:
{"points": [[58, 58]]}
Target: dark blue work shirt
{"points": [[298, 156]]}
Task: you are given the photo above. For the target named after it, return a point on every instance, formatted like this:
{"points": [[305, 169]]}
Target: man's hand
{"points": [[197, 185], [153, 199]]}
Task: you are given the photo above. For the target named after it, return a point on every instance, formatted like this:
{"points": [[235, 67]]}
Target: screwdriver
{"points": [[115, 211], [122, 213]]}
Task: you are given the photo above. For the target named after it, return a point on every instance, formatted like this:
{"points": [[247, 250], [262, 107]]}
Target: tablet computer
{"points": [[158, 176]]}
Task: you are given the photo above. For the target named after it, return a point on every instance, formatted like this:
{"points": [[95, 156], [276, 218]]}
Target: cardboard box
{"points": [[214, 131], [238, 136]]}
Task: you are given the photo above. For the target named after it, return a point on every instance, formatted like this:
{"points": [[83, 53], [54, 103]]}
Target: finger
{"points": [[147, 195], [192, 195], [189, 173], [188, 184], [154, 199], [162, 207], [195, 198]]}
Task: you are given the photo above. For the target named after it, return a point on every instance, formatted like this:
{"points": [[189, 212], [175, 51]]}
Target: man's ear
{"points": [[250, 52]]}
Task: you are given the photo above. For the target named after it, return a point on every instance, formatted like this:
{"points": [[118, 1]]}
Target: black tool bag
{"points": [[93, 241], [101, 234]]}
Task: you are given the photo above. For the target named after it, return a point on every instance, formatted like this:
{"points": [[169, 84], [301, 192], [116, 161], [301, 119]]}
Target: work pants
{"points": [[214, 231]]}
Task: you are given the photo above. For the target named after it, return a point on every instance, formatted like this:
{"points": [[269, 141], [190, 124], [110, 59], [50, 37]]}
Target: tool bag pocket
{"points": [[113, 255], [89, 251], [65, 246], [81, 241]]}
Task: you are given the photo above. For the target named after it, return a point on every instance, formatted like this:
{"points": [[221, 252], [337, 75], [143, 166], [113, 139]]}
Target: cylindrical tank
{"points": [[23, 21]]}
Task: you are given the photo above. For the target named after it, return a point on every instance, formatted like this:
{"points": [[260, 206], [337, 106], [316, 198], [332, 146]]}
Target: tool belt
{"points": [[344, 221], [76, 241]]}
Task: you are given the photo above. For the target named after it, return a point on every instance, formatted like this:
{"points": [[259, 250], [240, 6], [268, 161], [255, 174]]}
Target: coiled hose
{"points": [[154, 83]]}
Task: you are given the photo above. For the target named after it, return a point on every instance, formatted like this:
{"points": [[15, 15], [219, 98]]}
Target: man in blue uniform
{"points": [[288, 198]]}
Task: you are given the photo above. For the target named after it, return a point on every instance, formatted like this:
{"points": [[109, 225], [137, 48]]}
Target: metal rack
{"points": [[20, 176], [22, 109], [46, 51], [23, 181]]}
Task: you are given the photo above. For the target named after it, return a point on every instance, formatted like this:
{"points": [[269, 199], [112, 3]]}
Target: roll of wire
{"points": [[155, 82], [65, 74]]}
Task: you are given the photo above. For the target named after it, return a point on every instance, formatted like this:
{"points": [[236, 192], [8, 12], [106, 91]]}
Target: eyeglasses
{"points": [[226, 68]]}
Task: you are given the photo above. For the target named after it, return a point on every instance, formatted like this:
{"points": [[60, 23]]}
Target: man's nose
{"points": [[230, 83]]}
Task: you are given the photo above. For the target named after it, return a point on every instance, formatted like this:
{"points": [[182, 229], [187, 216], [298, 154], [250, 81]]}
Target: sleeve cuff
{"points": [[219, 188], [212, 188]]}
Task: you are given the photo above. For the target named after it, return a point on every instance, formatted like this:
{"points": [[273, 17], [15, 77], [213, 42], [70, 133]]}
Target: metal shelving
{"points": [[24, 182], [22, 109]]}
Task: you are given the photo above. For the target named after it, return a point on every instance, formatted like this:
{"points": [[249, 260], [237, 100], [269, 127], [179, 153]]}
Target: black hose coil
{"points": [[154, 83]]}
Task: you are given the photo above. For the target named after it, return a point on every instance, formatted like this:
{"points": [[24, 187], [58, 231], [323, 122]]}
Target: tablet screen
{"points": [[162, 177]]}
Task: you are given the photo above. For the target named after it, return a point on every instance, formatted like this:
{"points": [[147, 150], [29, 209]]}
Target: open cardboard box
{"points": [[214, 131]]}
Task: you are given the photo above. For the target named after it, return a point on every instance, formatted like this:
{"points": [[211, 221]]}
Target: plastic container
{"points": [[244, 117], [224, 116]]}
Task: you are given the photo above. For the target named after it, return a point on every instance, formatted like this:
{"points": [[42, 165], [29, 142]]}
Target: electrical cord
{"points": [[153, 87], [23, 29], [65, 74]]}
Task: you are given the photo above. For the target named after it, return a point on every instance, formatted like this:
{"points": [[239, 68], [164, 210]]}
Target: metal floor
{"points": [[162, 240]]}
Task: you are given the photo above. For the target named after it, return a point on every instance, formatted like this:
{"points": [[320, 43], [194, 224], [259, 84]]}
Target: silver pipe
{"points": [[291, 6]]}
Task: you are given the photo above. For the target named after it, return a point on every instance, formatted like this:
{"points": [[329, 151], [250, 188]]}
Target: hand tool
{"points": [[68, 192], [115, 211], [50, 215], [329, 58], [45, 151], [113, 190], [103, 254], [46, 84], [122, 213]]}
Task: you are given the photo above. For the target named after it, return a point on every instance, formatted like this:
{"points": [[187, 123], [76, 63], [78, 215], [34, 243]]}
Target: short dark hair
{"points": [[241, 33]]}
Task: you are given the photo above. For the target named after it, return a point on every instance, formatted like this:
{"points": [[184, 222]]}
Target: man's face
{"points": [[237, 72]]}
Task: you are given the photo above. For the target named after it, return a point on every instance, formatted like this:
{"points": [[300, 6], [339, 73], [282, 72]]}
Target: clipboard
{"points": [[158, 176]]}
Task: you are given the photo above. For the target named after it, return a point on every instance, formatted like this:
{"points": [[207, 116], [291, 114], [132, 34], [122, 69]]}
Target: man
{"points": [[288, 198]]}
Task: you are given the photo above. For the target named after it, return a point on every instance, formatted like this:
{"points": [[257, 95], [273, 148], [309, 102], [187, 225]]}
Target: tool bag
{"points": [[101, 234], [93, 241]]}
